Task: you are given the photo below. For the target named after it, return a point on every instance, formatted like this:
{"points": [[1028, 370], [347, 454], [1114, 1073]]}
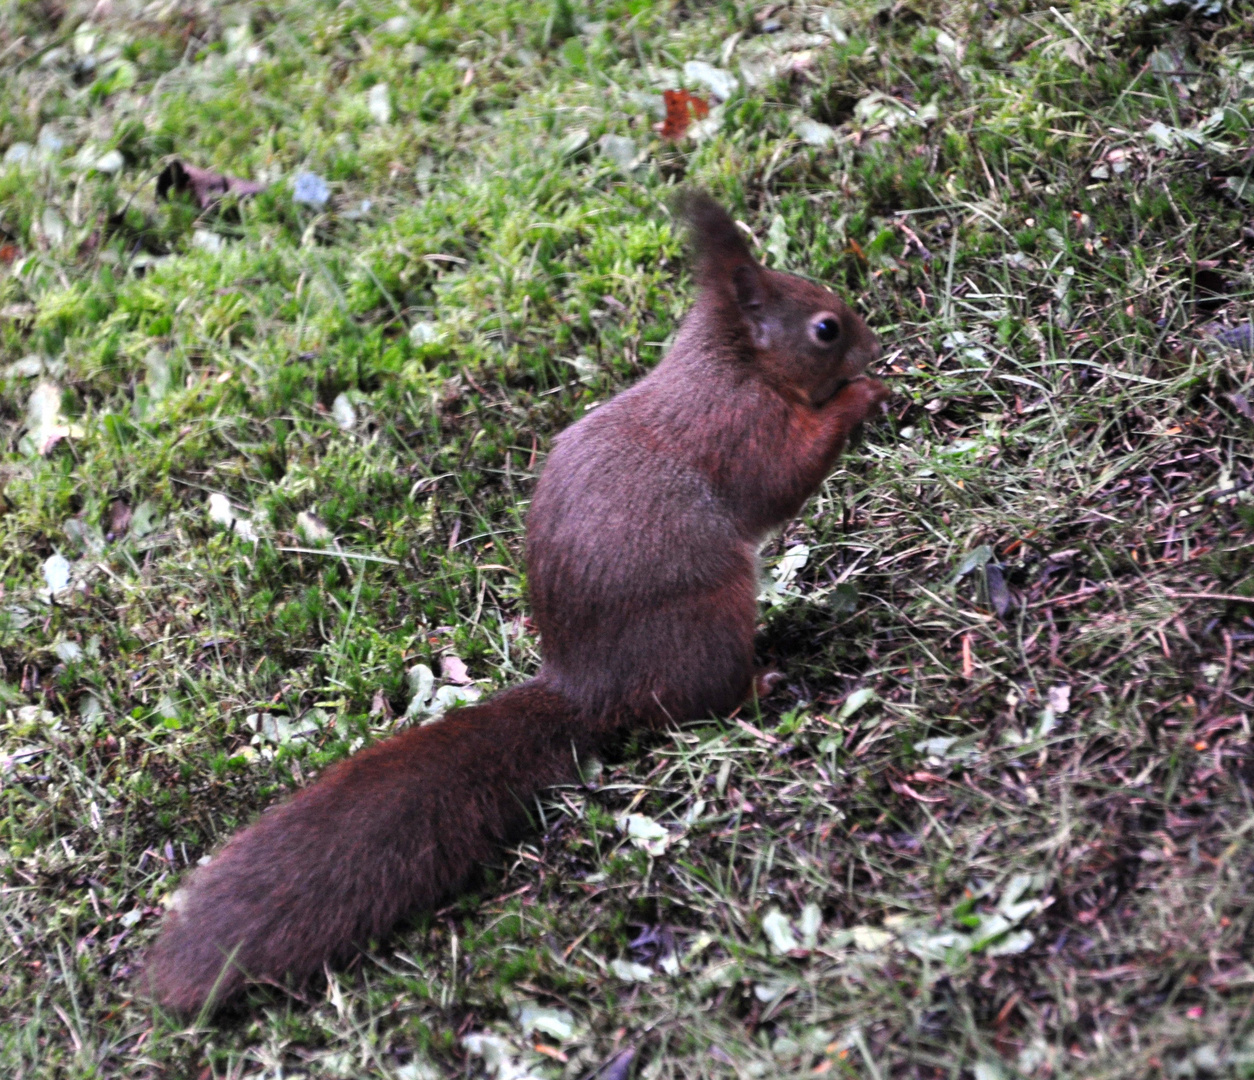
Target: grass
{"points": [[996, 823]]}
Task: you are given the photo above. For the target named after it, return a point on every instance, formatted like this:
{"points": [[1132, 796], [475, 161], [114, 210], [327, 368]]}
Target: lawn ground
{"points": [[264, 468]]}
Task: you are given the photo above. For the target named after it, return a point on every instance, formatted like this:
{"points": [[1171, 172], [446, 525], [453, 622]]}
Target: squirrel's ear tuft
{"points": [[717, 244]]}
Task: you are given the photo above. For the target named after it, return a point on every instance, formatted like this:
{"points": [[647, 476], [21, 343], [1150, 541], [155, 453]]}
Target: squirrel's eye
{"points": [[827, 329]]}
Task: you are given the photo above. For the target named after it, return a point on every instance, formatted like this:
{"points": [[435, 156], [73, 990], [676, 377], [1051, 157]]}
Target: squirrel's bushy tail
{"points": [[399, 826]]}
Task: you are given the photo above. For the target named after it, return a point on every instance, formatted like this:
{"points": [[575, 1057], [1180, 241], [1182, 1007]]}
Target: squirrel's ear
{"points": [[749, 286], [717, 245]]}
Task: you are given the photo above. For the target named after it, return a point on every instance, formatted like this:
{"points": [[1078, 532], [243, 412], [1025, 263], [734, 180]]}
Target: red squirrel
{"points": [[642, 561]]}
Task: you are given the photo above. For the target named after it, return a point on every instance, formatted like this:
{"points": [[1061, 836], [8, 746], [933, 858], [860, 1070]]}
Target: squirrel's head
{"points": [[804, 338]]}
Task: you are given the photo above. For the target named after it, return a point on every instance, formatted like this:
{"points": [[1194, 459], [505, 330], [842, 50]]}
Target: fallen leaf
{"points": [[453, 668], [1060, 698], [903, 788], [720, 82], [380, 706], [110, 162], [206, 186], [343, 412], [1239, 337], [550, 1051], [1241, 403], [379, 102], [557, 1023], [645, 833], [221, 511], [309, 188], [972, 561], [311, 528], [630, 971], [681, 109], [45, 425], [870, 938], [18, 312], [573, 142], [119, 518], [813, 132], [421, 681], [619, 1066], [855, 701], [207, 241], [26, 368], [453, 697], [620, 149], [778, 932], [56, 573], [145, 518], [998, 594]]}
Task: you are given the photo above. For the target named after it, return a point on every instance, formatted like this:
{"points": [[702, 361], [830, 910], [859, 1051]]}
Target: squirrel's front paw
{"points": [[858, 400]]}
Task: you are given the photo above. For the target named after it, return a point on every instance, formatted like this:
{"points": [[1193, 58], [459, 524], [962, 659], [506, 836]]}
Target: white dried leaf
{"points": [[424, 333], [772, 991], [421, 681], [157, 363], [144, 519], [205, 240], [855, 701], [619, 149], [936, 946], [555, 1022], [68, 651], [645, 833], [810, 924], [379, 102], [52, 226], [26, 368], [814, 132], [630, 971], [90, 710], [871, 938], [1060, 699], [57, 573], [1017, 942], [792, 562], [498, 1056], [110, 162], [777, 246], [343, 413], [778, 931], [311, 529], [45, 426], [574, 141], [877, 108], [453, 697], [832, 24], [220, 511], [718, 81]]}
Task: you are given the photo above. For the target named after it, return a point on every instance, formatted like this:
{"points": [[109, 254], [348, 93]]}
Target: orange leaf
{"points": [[8, 252], [681, 109], [551, 1051]]}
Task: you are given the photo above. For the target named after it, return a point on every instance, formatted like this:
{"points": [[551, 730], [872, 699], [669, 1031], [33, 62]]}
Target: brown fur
{"points": [[642, 561]]}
